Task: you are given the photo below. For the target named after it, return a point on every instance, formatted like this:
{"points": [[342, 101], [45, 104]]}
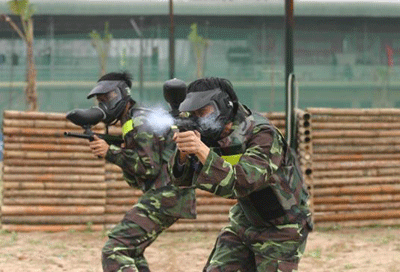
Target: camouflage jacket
{"points": [[144, 163], [254, 165], [144, 158]]}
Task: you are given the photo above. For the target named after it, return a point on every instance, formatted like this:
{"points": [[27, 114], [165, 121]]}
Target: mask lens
{"points": [[110, 99], [113, 98], [208, 110], [208, 119]]}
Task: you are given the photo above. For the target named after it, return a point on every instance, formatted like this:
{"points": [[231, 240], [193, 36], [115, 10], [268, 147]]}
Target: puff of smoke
{"points": [[159, 120], [210, 122]]}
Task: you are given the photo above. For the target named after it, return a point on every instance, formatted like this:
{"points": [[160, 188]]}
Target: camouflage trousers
{"points": [[250, 249], [156, 211]]}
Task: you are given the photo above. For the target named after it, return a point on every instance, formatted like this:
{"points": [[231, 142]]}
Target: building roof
{"points": [[335, 8]]}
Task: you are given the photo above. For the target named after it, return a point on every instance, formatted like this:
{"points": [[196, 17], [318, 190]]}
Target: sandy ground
{"points": [[359, 249], [352, 249]]}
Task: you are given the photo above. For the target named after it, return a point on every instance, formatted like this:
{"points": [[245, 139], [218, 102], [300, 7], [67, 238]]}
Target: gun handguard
{"points": [[186, 124], [110, 139]]}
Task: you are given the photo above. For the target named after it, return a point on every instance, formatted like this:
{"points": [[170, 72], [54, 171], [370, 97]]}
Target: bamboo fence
{"points": [[356, 170]]}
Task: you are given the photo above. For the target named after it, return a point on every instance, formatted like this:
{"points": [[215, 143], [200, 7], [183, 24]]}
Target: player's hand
{"points": [[99, 147], [189, 142]]}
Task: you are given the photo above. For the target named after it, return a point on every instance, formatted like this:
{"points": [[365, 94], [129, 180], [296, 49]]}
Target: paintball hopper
{"points": [[174, 93], [86, 117]]}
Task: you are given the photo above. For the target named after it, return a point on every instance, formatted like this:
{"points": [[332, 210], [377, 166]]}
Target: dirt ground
{"points": [[357, 249], [351, 249]]}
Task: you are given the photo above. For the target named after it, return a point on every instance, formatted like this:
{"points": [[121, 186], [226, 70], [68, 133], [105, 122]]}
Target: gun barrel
{"points": [[78, 135], [110, 139]]}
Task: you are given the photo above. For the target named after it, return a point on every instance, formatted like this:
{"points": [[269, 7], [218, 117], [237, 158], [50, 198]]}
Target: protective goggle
{"points": [[208, 111], [110, 99]]}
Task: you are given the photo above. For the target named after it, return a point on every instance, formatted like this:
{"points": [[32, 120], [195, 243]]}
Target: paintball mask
{"points": [[214, 123], [115, 96]]}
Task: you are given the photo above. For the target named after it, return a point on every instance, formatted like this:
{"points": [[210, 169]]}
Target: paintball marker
{"points": [[86, 119], [174, 93]]}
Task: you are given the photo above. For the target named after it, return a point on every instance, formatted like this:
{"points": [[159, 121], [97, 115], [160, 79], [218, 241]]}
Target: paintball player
{"points": [[143, 160], [239, 154]]}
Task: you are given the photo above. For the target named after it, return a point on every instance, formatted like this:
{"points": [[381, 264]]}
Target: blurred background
{"points": [[346, 53]]}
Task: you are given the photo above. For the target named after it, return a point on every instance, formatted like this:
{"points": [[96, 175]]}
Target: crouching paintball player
{"points": [[239, 154], [143, 159]]}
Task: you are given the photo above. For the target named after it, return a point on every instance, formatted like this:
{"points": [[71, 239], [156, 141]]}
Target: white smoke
{"points": [[160, 120], [210, 122]]}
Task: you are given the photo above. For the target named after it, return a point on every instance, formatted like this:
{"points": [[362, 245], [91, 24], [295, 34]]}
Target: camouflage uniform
{"points": [[269, 225], [144, 164]]}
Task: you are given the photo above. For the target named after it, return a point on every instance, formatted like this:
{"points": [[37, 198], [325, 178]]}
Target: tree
{"points": [[25, 11], [200, 45], [102, 46]]}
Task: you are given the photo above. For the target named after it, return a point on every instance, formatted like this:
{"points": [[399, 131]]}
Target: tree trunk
{"points": [[30, 89], [198, 48], [27, 36], [103, 64]]}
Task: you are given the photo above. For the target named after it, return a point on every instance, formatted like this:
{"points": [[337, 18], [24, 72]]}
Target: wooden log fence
{"points": [[349, 159], [305, 149], [356, 166], [50, 182]]}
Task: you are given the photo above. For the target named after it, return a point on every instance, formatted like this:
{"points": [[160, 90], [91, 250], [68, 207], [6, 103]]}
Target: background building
{"points": [[346, 53]]}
